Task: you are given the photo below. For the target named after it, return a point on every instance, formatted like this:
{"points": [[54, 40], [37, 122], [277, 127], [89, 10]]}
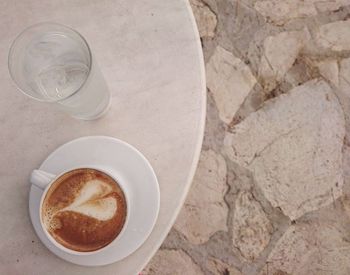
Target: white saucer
{"points": [[131, 167]]}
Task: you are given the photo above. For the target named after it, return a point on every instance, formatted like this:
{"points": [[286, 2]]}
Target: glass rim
{"points": [[14, 42]]}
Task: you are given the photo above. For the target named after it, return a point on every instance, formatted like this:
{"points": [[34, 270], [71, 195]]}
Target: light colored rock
{"points": [[293, 146], [205, 18], [344, 83], [346, 170], [346, 204], [205, 210], [172, 262], [344, 74], [300, 73], [305, 249], [218, 267], [344, 90], [333, 5], [280, 12], [329, 70], [230, 80], [334, 36], [251, 229], [280, 52], [343, 93]]}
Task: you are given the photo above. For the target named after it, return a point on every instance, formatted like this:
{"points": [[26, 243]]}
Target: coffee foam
{"points": [[84, 210], [92, 189], [102, 209], [90, 202]]}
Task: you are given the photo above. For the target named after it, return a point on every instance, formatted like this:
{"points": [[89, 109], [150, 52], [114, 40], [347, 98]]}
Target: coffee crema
{"points": [[84, 210]]}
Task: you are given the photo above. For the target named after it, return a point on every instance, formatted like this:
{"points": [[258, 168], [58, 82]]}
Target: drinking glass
{"points": [[53, 63]]}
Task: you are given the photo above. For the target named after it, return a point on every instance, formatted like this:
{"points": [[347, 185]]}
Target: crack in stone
{"points": [[259, 153]]}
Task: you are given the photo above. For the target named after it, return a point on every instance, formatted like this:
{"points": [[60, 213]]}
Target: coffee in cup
{"points": [[84, 210]]}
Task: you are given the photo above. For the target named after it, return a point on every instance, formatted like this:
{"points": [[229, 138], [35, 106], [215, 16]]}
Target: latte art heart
{"points": [[91, 190], [100, 209], [84, 210], [91, 202]]}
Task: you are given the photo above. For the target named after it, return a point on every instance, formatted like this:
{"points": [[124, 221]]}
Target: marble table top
{"points": [[150, 54]]}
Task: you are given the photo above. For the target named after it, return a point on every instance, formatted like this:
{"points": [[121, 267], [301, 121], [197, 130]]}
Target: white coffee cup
{"points": [[44, 181]]}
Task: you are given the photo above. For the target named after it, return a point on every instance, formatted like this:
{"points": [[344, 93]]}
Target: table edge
{"points": [[198, 148]]}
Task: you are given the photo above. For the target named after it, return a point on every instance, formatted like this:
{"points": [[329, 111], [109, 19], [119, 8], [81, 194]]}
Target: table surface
{"points": [[150, 54]]}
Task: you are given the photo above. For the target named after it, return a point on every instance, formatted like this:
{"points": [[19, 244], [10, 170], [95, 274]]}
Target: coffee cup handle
{"points": [[41, 178]]}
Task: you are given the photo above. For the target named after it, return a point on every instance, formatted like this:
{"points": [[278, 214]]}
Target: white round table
{"points": [[150, 54]]}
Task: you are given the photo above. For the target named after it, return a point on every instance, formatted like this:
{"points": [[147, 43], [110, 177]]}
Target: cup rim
{"points": [[82, 253], [15, 41]]}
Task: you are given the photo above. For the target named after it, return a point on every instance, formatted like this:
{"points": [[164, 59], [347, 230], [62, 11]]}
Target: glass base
{"points": [[99, 115]]}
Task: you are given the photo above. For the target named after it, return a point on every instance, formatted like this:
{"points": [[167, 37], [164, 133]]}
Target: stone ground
{"points": [[272, 190]]}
